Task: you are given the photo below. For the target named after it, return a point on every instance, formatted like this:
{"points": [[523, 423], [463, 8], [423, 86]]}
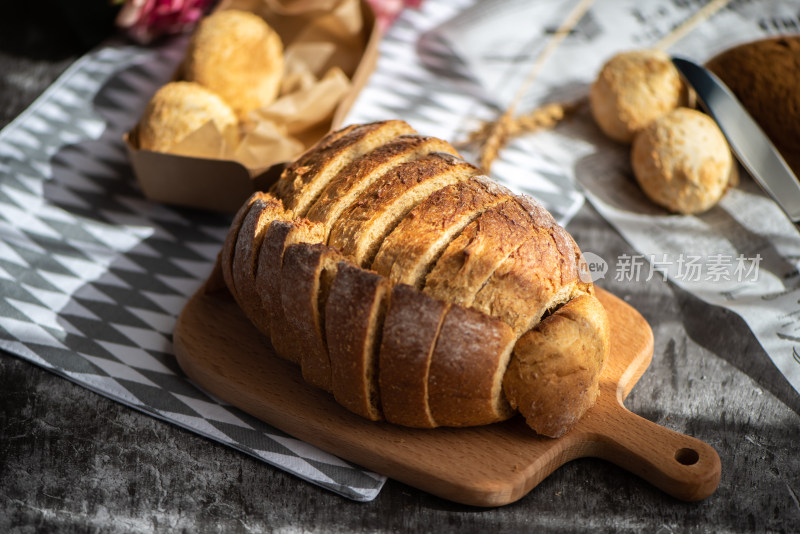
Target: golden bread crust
{"points": [[410, 330], [178, 109], [467, 367], [409, 251], [305, 279], [539, 275], [278, 236], [245, 258], [238, 56], [304, 180], [361, 229], [471, 258], [229, 246], [552, 378], [353, 322], [351, 181]]}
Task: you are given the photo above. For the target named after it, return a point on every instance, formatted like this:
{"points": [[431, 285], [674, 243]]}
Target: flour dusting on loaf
{"points": [[415, 290]]}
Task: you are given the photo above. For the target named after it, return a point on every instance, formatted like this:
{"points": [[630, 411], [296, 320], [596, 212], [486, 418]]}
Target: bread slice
{"points": [[306, 275], [351, 181], [407, 253], [568, 250], [525, 285], [229, 246], [302, 182], [467, 367], [409, 336], [471, 258], [539, 275], [278, 236], [353, 324], [248, 245], [360, 230], [552, 378]]}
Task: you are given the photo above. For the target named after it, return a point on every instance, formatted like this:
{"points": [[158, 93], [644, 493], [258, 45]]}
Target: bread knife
{"points": [[748, 141]]}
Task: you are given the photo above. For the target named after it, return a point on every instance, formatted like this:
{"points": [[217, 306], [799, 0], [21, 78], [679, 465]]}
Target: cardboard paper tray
{"points": [[223, 185]]}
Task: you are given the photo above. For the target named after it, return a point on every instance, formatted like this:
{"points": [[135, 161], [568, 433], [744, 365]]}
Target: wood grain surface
{"points": [[490, 465]]}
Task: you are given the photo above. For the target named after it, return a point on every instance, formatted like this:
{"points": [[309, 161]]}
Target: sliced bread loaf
{"points": [[408, 253], [471, 258], [360, 230], [278, 236], [353, 324], [306, 275], [467, 367], [409, 336], [489, 265], [552, 378], [302, 182], [350, 182]]}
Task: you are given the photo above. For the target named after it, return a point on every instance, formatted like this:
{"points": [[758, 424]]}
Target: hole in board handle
{"points": [[687, 456]]}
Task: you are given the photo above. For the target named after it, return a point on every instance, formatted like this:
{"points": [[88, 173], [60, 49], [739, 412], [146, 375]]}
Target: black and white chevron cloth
{"points": [[92, 275]]}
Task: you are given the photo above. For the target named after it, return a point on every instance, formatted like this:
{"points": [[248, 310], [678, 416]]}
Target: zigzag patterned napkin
{"points": [[92, 276]]}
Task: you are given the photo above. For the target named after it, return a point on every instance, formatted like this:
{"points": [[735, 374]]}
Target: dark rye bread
{"points": [[306, 275], [552, 378], [302, 182], [409, 336], [278, 236], [410, 250], [229, 246], [467, 367], [360, 230], [350, 182], [471, 258], [245, 258], [353, 324]]}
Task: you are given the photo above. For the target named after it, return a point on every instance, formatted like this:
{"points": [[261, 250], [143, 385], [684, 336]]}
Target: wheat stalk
{"points": [[499, 130], [493, 135], [543, 118]]}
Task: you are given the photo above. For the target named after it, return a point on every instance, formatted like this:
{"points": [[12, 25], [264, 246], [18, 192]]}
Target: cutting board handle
{"points": [[680, 465]]}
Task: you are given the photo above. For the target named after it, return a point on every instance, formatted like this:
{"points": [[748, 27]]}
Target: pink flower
{"points": [[145, 20], [388, 10]]}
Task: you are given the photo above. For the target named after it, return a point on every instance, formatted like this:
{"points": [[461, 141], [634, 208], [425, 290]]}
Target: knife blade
{"points": [[748, 141]]}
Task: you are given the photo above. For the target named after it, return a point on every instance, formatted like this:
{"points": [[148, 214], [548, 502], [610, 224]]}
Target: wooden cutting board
{"points": [[484, 466]]}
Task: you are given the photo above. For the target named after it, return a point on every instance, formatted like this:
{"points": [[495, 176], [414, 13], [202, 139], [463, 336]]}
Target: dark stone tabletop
{"points": [[72, 461]]}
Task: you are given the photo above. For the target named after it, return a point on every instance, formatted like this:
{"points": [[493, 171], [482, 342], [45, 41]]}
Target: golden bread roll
{"points": [[238, 56], [632, 90], [481, 267], [682, 161], [179, 109]]}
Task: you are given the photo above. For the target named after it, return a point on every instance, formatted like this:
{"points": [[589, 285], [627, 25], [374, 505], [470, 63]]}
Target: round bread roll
{"points": [[180, 108], [683, 162], [632, 90], [238, 56]]}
